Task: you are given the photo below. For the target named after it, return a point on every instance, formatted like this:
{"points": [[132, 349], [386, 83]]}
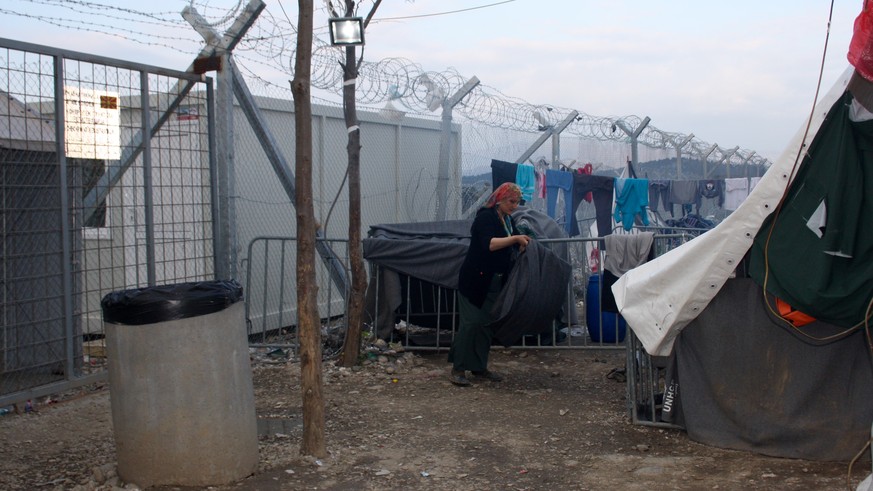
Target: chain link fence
{"points": [[98, 195], [101, 196]]}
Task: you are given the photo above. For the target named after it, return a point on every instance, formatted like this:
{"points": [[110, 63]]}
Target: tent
{"points": [[748, 378], [429, 255]]}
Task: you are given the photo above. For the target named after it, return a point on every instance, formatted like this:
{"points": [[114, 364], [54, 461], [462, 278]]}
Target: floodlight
{"points": [[346, 31]]}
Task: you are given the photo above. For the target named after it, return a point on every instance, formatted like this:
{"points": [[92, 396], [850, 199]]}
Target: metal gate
{"points": [[105, 184]]}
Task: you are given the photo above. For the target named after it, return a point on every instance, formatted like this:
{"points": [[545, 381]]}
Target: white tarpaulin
{"points": [[659, 298]]}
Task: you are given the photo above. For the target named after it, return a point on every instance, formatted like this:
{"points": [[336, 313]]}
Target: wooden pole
{"points": [[308, 324]]}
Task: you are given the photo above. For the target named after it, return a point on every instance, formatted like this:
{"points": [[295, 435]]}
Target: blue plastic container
{"points": [[608, 328]]}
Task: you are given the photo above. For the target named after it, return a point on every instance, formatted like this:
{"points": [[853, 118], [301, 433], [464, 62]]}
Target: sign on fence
{"points": [[92, 124]]}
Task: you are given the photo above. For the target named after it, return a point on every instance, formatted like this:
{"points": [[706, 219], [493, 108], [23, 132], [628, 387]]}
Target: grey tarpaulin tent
{"points": [[747, 379], [430, 255]]}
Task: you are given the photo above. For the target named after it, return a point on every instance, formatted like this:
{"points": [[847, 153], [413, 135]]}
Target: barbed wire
{"points": [[270, 46]]}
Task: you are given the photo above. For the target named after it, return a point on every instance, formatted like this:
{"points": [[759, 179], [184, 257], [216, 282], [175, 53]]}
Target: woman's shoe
{"points": [[459, 378], [488, 375]]}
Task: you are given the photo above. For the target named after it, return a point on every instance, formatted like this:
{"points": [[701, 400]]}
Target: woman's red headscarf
{"points": [[504, 191]]}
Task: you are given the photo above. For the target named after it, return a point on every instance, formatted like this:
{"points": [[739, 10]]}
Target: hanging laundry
{"points": [[502, 172], [594, 259], [557, 181], [526, 180], [627, 251], [736, 190], [710, 189], [619, 184], [587, 169], [659, 193], [631, 202], [541, 184], [753, 181], [683, 193], [601, 188], [623, 253]]}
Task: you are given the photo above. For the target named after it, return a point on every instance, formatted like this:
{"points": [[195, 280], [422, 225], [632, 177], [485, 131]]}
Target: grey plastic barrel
{"points": [[180, 384]]}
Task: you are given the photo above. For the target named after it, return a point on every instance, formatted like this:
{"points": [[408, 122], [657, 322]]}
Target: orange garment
{"points": [[795, 317]]}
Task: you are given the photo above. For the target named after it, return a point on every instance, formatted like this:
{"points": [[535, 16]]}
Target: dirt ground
{"points": [[556, 422]]}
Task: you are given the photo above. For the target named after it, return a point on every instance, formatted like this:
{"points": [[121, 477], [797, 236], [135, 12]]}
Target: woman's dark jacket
{"points": [[480, 264]]}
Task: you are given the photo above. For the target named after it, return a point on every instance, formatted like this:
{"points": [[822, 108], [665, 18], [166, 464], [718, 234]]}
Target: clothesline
{"points": [[624, 200]]}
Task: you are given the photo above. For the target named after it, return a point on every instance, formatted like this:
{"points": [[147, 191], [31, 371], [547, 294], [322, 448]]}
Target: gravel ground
{"points": [[556, 422]]}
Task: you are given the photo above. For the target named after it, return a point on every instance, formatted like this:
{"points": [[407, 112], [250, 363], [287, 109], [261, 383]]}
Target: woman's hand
{"points": [[498, 243], [522, 241]]}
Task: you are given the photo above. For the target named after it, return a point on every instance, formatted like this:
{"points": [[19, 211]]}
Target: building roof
{"points": [[22, 128]]}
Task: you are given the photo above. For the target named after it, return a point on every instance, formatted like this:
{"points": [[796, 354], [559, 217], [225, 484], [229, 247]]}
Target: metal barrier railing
{"points": [[271, 294], [427, 318], [647, 386]]}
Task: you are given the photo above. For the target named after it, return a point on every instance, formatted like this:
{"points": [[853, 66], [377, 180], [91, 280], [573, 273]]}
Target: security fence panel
{"points": [[398, 170], [109, 182], [271, 300], [105, 182], [398, 177]]}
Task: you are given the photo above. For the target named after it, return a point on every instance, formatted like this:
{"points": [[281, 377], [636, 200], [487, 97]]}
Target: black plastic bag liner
{"points": [[154, 304]]}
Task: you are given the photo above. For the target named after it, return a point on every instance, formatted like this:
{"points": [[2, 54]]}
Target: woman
{"points": [[488, 261]]}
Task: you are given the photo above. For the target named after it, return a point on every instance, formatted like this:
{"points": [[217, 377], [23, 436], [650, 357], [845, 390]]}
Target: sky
{"points": [[740, 73]]}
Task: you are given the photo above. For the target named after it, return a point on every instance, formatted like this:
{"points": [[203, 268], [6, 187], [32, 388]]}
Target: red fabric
{"points": [[861, 48], [594, 260], [587, 169]]}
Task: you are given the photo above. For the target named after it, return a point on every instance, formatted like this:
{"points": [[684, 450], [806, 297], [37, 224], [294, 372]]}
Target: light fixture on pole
{"points": [[346, 31]]}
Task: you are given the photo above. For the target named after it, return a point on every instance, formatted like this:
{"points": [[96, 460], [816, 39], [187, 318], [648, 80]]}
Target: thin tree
{"points": [[352, 346], [307, 289]]}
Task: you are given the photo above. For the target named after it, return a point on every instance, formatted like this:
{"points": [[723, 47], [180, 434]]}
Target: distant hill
{"points": [[693, 169], [659, 169], [474, 179]]}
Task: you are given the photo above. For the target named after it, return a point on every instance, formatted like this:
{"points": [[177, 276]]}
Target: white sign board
{"points": [[92, 124]]}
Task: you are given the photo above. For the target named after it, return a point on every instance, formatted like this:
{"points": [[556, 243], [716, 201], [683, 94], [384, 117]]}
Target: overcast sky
{"points": [[739, 73]]}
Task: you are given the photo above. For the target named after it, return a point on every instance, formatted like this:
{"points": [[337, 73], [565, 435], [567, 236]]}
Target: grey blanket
{"points": [[533, 295]]}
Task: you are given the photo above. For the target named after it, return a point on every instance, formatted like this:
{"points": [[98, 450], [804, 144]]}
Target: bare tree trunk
{"points": [[352, 347], [351, 350], [307, 289]]}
